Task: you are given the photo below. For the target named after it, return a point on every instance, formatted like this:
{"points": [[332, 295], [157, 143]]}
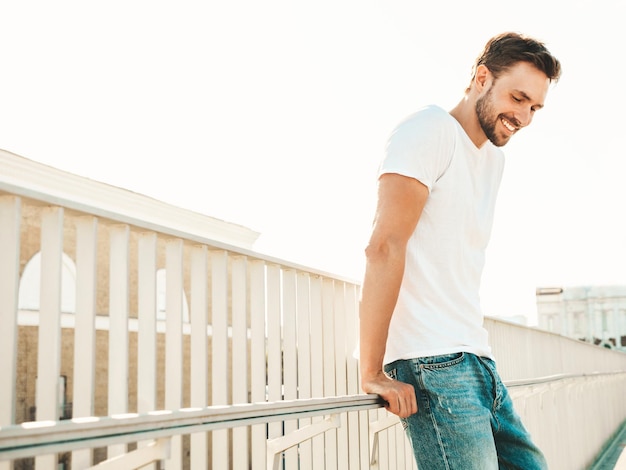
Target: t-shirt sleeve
{"points": [[421, 146]]}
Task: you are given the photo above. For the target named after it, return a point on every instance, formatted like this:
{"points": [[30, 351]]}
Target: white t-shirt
{"points": [[438, 309]]}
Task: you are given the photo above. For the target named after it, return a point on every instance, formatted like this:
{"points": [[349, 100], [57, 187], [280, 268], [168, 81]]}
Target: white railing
{"points": [[573, 417], [243, 332], [44, 437]]}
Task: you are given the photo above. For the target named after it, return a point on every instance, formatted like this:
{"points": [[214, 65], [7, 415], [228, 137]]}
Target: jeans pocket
{"points": [[443, 361]]}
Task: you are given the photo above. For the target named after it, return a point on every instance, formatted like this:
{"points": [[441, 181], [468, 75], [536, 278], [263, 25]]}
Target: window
{"points": [[30, 283]]}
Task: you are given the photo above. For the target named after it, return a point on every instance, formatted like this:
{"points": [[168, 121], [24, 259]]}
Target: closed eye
{"points": [[524, 97]]}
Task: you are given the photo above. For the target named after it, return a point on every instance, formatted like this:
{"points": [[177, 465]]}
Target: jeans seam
{"points": [[497, 395], [431, 415]]}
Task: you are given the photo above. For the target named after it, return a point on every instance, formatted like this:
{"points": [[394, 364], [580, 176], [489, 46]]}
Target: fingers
{"points": [[400, 397], [403, 409], [401, 400]]}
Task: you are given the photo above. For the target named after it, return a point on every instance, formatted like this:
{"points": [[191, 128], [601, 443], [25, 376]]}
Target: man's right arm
{"points": [[400, 203]]}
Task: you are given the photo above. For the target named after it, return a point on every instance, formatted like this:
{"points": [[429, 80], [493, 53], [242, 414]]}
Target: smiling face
{"points": [[508, 103]]}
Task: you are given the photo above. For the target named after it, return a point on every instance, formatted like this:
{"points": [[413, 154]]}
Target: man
{"points": [[423, 347]]}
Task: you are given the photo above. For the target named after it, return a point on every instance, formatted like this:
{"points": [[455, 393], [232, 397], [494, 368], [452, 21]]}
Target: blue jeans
{"points": [[465, 418]]}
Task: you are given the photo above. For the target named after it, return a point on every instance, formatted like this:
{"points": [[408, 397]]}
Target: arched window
{"points": [[30, 284]]}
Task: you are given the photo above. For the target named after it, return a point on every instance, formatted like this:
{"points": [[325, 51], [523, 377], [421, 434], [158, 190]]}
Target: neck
{"points": [[465, 113]]}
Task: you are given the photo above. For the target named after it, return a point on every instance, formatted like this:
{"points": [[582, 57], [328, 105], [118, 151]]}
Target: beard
{"points": [[484, 111]]}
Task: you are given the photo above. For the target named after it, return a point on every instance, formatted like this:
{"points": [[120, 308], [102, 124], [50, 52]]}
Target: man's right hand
{"points": [[400, 397]]}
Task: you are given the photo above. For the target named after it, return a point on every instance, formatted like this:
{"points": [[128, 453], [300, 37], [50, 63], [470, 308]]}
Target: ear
{"points": [[482, 78]]}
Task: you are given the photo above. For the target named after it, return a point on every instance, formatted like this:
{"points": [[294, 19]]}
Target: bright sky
{"points": [[274, 115]]}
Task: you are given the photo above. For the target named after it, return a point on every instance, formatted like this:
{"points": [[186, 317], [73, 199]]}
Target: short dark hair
{"points": [[507, 49]]}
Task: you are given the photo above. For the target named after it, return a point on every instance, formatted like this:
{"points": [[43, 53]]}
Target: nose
{"points": [[525, 116]]}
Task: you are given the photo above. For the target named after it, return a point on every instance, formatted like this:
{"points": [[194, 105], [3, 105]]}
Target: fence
{"points": [[141, 308]]}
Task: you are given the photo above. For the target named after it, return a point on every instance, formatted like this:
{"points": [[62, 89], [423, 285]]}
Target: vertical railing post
{"points": [[49, 340], [317, 365], [357, 433], [146, 331], [330, 378], [10, 216], [85, 328], [274, 346], [290, 357], [174, 341], [118, 326], [258, 365], [220, 376], [341, 372], [304, 357], [199, 350], [240, 361]]}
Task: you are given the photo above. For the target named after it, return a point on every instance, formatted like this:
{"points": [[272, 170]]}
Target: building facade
{"points": [[595, 314]]}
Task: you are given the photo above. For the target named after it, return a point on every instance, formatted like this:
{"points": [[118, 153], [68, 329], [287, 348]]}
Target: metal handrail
{"points": [[41, 437], [557, 378], [44, 437]]}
